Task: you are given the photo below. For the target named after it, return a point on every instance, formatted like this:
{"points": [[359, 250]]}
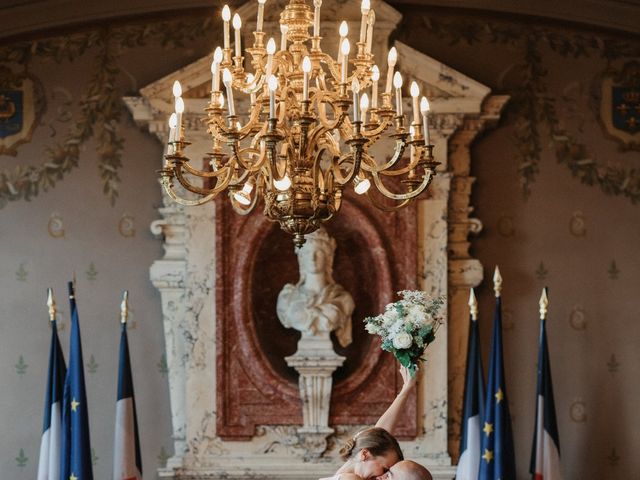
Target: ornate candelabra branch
{"points": [[300, 146]]}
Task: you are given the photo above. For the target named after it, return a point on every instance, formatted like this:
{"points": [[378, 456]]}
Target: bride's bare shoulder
{"points": [[349, 476]]}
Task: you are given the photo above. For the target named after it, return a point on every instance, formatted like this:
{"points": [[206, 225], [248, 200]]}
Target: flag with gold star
{"points": [[127, 460], [473, 406], [545, 453], [49, 462], [75, 458], [497, 449]]}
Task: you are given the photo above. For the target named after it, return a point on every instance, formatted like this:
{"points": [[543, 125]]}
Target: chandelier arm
{"points": [[334, 68], [220, 185], [202, 173], [322, 115], [356, 156], [252, 87], [397, 155], [426, 180], [168, 188], [219, 124], [245, 131], [378, 130], [238, 154], [413, 163], [325, 127], [386, 208], [370, 166]]}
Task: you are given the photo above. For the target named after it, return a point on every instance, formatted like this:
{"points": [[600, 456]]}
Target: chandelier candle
{"points": [[364, 9], [271, 49], [227, 79], [294, 148], [215, 69], [226, 17], [397, 83], [346, 47], [316, 17], [237, 25], [273, 86], [177, 95], [371, 19], [306, 69], [173, 123], [392, 58], [424, 109], [415, 92], [179, 111], [355, 87], [343, 30], [364, 106], [375, 76], [260, 15]]}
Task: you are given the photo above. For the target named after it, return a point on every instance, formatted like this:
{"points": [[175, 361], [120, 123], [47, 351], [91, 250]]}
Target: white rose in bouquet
{"points": [[402, 340], [416, 316]]}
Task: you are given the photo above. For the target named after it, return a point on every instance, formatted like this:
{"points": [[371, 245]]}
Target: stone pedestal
{"points": [[315, 366]]}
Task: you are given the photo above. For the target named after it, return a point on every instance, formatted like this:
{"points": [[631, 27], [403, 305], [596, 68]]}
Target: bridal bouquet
{"points": [[407, 326]]}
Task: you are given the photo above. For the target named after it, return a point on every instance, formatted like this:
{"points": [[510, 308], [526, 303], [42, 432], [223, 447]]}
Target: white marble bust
{"points": [[317, 305]]}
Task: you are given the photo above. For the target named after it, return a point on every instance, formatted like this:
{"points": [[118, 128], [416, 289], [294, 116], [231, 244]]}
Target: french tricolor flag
{"points": [[545, 453], [473, 406], [49, 463], [127, 461]]}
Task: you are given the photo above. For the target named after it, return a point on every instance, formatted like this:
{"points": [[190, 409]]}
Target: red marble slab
{"points": [[376, 256]]}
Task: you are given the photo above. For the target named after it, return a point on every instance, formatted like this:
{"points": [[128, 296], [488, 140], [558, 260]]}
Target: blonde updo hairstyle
{"points": [[376, 440]]}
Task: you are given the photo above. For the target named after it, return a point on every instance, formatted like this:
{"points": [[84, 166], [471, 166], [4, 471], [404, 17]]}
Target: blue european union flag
{"points": [[498, 456], [75, 457]]}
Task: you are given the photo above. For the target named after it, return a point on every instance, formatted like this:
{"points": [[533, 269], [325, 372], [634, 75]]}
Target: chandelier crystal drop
{"points": [[309, 129]]}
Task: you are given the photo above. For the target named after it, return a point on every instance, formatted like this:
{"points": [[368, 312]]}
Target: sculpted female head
{"points": [[316, 255]]}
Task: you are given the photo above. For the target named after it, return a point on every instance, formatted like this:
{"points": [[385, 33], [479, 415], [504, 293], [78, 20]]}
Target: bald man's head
{"points": [[409, 470]]}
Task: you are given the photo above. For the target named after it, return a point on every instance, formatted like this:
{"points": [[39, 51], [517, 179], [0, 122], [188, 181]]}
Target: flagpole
{"points": [[545, 451], [50, 445], [498, 455], [127, 458], [75, 456], [473, 403]]}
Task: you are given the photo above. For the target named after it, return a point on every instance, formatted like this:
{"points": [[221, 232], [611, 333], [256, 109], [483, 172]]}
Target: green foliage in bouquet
{"points": [[408, 326]]}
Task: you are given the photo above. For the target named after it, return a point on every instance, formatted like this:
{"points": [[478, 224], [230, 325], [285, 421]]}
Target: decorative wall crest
{"points": [[18, 117], [620, 105]]}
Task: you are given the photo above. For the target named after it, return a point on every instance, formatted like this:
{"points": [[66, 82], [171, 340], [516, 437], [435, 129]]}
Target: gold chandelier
{"points": [[309, 128]]}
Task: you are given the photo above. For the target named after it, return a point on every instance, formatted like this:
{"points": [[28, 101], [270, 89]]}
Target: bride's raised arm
{"points": [[389, 418]]}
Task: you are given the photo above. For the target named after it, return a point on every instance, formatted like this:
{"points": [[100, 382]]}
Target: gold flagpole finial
{"points": [[51, 303], [124, 307], [544, 304], [497, 282], [473, 305]]}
